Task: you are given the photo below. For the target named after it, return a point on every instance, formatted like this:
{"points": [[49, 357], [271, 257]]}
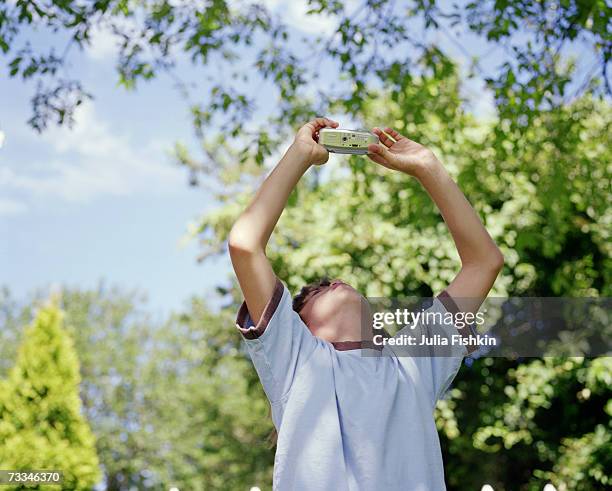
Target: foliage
{"points": [[110, 333], [211, 417], [371, 42], [560, 390], [41, 425], [525, 424], [166, 398], [543, 193]]}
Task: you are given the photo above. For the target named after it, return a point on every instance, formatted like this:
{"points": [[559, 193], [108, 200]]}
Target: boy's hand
{"points": [[400, 153], [306, 140]]}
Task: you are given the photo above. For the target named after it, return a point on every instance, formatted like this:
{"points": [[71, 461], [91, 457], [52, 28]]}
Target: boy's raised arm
{"points": [[481, 259], [251, 232]]}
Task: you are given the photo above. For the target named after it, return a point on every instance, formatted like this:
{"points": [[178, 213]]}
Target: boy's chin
{"points": [[353, 301], [346, 293]]}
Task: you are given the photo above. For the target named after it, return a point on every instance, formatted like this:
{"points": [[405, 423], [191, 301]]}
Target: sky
{"points": [[104, 201]]}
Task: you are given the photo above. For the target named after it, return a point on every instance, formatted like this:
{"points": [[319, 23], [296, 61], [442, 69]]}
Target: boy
{"points": [[347, 421]]}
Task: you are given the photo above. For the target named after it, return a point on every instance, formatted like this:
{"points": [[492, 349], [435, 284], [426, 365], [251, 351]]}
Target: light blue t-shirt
{"points": [[346, 421]]}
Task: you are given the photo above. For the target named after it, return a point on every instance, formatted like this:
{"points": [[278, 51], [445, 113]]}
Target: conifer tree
{"points": [[41, 423]]}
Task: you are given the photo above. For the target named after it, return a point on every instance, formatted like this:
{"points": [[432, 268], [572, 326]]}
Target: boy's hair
{"points": [[300, 298]]}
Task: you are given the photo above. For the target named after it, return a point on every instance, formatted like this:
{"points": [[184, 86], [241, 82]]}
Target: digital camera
{"points": [[346, 141]]}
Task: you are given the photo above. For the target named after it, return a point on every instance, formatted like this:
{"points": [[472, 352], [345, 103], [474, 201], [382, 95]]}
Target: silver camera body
{"points": [[346, 141]]}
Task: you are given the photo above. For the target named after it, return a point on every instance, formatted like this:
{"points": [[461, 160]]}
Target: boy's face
{"points": [[330, 308]]}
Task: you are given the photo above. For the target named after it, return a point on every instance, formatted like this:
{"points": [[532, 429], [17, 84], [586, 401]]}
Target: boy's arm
{"points": [[249, 235], [481, 259]]}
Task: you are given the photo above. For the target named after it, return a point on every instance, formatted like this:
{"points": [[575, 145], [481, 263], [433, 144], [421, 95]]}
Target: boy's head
{"points": [[331, 309]]}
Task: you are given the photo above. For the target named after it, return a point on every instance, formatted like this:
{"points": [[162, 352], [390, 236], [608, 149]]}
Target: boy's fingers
{"points": [[396, 136], [383, 137], [380, 160], [315, 124], [373, 149], [376, 158], [377, 131], [378, 150], [319, 123]]}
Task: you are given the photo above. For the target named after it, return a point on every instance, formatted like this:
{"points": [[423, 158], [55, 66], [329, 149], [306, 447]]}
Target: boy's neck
{"points": [[350, 325]]}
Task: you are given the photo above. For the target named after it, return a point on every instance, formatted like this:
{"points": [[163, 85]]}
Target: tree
{"points": [[371, 42], [165, 399], [41, 424], [381, 232], [113, 337], [211, 419], [555, 423]]}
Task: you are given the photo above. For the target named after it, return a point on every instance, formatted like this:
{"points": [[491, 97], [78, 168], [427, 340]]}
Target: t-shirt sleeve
{"points": [[279, 344], [437, 363]]}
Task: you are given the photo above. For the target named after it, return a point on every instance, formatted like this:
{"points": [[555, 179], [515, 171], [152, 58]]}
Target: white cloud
{"points": [[92, 160], [297, 17], [103, 44], [293, 13]]}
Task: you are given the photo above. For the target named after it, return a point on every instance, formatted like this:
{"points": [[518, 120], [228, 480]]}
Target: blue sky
{"points": [[104, 200]]}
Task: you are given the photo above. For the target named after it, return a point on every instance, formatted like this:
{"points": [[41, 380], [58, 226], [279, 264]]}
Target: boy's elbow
{"points": [[496, 260], [490, 262], [240, 242]]}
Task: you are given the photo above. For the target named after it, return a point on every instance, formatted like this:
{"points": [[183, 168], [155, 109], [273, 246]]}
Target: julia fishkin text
{"points": [[435, 340]]}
